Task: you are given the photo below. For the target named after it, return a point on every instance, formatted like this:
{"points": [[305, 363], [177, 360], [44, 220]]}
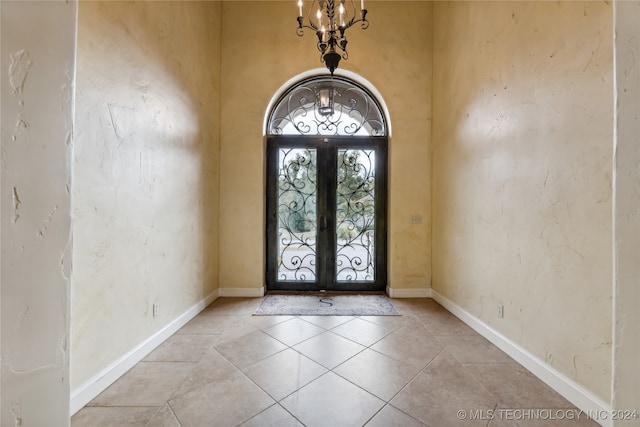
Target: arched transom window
{"points": [[327, 105]]}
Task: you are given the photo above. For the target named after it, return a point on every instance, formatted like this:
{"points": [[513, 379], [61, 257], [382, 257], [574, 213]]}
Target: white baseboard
{"points": [[408, 293], [582, 398], [242, 292], [99, 382]]}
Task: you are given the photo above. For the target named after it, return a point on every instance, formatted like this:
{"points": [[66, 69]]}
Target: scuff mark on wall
{"points": [[16, 412], [548, 357], [64, 268], [66, 91], [117, 114], [66, 262], [16, 206], [47, 221], [594, 52], [19, 70], [21, 124], [23, 317], [40, 368]]}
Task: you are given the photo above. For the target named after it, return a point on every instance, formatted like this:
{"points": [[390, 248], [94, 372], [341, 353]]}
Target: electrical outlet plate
{"points": [[155, 309], [500, 311], [416, 219]]}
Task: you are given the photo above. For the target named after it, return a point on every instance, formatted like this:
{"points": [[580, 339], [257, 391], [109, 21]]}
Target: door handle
{"points": [[323, 222]]}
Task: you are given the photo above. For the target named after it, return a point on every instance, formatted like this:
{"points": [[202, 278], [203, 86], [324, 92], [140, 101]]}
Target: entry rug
{"points": [[330, 305]]}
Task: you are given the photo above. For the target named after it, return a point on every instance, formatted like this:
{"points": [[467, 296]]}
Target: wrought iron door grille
{"points": [[297, 211], [355, 215], [303, 111]]}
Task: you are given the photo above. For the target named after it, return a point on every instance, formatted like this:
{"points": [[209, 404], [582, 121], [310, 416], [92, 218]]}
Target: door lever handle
{"points": [[323, 222]]}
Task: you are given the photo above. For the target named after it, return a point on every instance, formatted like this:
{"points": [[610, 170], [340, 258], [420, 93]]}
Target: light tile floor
{"points": [[423, 368]]}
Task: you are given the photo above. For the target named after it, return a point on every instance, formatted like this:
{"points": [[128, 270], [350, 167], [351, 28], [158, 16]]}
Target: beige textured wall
{"points": [[394, 55], [38, 61], [522, 175], [626, 355], [146, 172]]}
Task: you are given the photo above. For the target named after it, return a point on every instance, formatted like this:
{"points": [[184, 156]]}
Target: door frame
{"points": [[330, 145]]}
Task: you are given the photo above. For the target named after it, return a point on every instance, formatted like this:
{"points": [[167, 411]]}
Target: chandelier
{"points": [[330, 19]]}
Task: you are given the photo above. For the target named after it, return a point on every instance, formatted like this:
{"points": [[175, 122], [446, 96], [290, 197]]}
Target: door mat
{"points": [[330, 305]]}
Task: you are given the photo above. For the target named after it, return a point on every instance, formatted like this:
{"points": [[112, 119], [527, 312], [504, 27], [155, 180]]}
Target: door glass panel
{"points": [[355, 215], [297, 213]]}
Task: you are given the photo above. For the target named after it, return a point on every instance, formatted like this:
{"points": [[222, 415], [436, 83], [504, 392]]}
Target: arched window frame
{"points": [[350, 109]]}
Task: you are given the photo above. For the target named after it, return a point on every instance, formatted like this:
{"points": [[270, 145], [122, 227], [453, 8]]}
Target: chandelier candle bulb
{"points": [[299, 7]]}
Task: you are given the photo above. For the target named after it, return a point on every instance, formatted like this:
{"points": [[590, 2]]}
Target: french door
{"points": [[326, 213]]}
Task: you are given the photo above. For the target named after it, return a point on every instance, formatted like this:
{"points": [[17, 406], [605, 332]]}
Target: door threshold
{"points": [[324, 293]]}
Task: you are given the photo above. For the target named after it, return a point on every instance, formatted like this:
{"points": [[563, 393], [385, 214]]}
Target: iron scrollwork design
{"points": [[297, 188], [355, 215], [354, 112]]}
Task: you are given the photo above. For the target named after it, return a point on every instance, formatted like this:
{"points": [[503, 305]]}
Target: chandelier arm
{"points": [[364, 23], [301, 27]]}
